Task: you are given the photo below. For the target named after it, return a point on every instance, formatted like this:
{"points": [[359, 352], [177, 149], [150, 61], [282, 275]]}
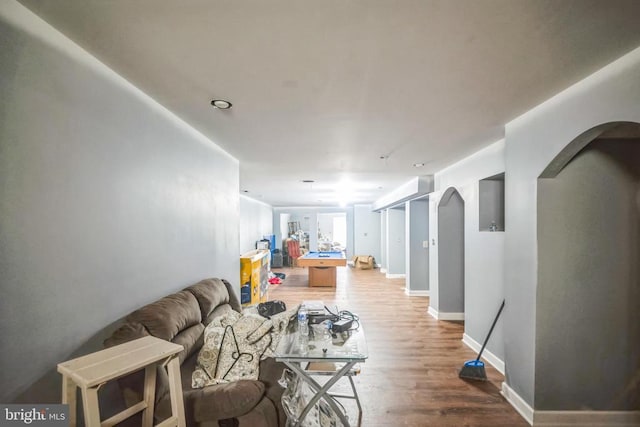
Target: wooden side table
{"points": [[90, 372]]}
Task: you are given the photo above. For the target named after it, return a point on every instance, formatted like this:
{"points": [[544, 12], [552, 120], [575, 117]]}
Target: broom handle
{"points": [[486, 340]]}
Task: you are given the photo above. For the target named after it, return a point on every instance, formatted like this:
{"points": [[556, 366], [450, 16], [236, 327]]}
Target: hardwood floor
{"points": [[411, 376]]}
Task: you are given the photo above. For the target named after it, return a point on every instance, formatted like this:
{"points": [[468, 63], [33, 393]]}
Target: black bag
{"points": [[269, 308]]}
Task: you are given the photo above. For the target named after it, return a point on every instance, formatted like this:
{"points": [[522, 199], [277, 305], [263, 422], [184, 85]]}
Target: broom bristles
{"points": [[473, 370]]}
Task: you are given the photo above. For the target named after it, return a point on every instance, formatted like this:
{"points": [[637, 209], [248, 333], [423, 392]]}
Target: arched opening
{"points": [[588, 295], [451, 253]]}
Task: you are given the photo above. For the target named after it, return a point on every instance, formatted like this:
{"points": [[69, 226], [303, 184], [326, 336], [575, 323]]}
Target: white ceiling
{"points": [[349, 93]]}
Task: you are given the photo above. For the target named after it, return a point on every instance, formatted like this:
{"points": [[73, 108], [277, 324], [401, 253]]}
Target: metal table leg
{"points": [[321, 391]]}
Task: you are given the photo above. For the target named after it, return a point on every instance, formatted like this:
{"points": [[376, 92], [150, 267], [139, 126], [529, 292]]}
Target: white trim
{"points": [[586, 418], [569, 418], [445, 316], [518, 403], [383, 270], [416, 293], [494, 360], [433, 312], [450, 316], [396, 276]]}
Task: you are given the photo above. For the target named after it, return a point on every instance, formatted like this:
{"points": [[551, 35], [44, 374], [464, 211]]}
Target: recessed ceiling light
{"points": [[221, 104], [308, 181], [245, 191], [418, 165]]}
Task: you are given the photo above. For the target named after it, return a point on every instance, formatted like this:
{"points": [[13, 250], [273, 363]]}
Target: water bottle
{"points": [[303, 321]]}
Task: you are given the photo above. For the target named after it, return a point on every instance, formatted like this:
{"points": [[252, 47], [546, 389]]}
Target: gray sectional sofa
{"points": [[181, 318]]}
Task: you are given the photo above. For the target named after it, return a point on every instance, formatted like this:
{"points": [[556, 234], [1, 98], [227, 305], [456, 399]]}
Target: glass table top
{"points": [[320, 345]]}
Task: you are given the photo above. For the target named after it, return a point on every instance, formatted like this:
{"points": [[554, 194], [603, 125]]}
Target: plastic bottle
{"points": [[303, 321]]}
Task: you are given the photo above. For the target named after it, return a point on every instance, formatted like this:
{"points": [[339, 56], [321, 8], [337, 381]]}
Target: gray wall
{"points": [[396, 241], [451, 253], [107, 202], [417, 230], [256, 220], [588, 311], [533, 140], [483, 252], [366, 232]]}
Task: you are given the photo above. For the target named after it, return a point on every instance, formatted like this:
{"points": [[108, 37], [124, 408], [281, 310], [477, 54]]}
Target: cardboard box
{"points": [[364, 262]]}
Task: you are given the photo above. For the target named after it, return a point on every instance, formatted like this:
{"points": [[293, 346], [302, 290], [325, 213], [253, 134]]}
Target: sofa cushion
{"points": [[225, 400], [168, 316], [215, 402], [191, 339], [125, 333], [221, 310], [263, 415], [210, 293]]}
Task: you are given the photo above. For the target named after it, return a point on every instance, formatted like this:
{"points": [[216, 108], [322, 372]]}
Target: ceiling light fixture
{"points": [[418, 165], [221, 104], [308, 181]]}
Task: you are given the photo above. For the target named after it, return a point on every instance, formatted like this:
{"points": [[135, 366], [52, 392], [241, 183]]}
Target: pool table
{"points": [[322, 267]]}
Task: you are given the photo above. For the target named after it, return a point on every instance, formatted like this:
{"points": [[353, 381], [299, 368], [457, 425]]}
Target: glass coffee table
{"points": [[342, 350]]}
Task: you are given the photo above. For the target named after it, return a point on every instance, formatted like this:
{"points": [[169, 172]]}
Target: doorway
{"points": [[588, 294], [332, 232], [451, 253]]}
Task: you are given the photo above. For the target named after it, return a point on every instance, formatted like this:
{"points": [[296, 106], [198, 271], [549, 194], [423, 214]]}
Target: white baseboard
{"points": [[445, 316], [383, 270], [396, 276], [586, 418], [416, 293], [450, 316], [494, 360], [518, 403], [569, 418], [433, 312]]}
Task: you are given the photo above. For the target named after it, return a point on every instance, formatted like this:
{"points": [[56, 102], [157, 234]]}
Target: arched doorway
{"points": [[450, 255], [588, 295]]}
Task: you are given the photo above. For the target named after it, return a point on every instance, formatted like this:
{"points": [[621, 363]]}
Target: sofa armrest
{"points": [[234, 302]]}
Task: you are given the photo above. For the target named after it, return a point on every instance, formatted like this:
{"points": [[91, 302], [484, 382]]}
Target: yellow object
{"points": [[254, 276]]}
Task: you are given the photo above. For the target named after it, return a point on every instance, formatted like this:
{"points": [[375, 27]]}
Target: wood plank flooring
{"points": [[411, 376]]}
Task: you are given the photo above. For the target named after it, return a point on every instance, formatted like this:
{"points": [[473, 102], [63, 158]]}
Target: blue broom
{"points": [[474, 369]]}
